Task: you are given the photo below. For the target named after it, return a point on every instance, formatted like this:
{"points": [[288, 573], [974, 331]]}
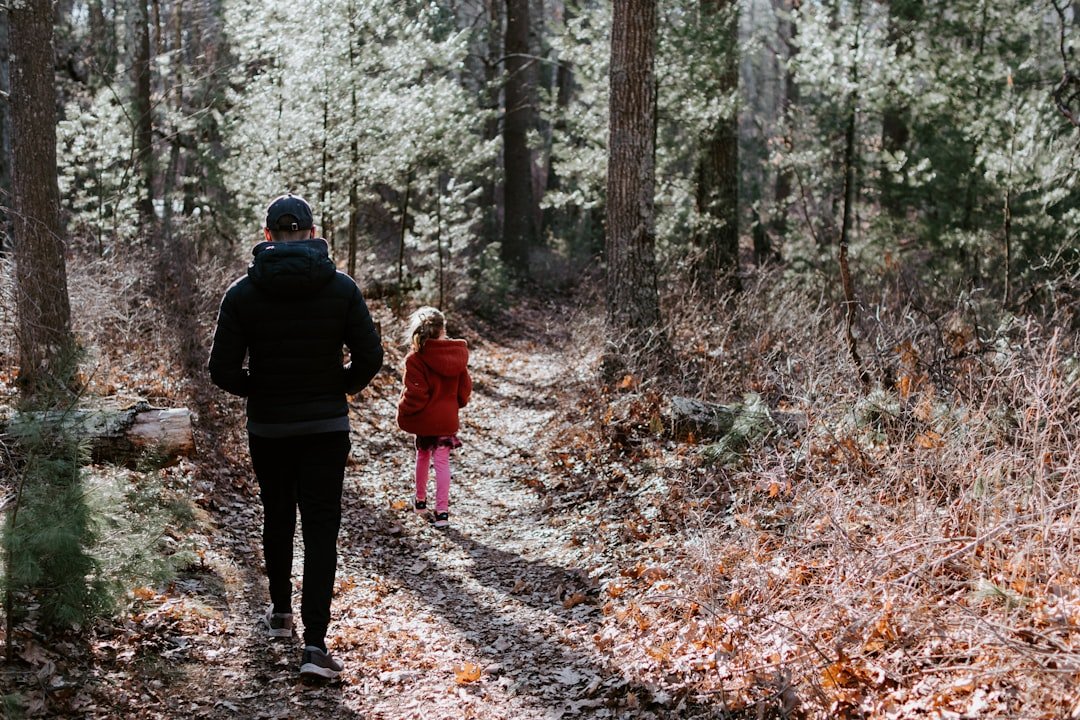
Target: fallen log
{"points": [[128, 434], [690, 418], [699, 419]]}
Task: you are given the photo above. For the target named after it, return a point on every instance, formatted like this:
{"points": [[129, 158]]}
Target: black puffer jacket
{"points": [[290, 316]]}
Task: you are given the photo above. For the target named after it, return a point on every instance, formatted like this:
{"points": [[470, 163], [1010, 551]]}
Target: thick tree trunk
{"points": [[633, 305], [46, 344], [518, 225], [717, 193]]}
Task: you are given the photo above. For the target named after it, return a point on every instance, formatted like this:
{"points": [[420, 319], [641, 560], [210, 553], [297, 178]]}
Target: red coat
{"points": [[437, 383]]}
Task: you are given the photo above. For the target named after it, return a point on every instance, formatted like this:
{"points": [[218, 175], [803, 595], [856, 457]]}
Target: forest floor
{"points": [[533, 604], [595, 566]]}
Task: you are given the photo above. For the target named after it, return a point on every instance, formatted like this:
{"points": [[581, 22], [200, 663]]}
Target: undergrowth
{"points": [[78, 537], [901, 548]]}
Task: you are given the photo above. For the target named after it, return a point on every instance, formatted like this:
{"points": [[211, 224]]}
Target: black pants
{"points": [[304, 471]]}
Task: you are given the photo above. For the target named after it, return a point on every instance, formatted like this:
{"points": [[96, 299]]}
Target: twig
{"points": [[986, 537], [1068, 78]]}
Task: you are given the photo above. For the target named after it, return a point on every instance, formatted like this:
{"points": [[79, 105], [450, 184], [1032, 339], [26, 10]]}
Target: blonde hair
{"points": [[425, 323]]}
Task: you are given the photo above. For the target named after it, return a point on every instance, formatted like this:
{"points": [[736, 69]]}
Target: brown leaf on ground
{"points": [[466, 673]]}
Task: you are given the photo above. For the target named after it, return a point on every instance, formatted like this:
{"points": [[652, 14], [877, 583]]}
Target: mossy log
{"points": [[690, 418], [121, 433], [698, 419]]}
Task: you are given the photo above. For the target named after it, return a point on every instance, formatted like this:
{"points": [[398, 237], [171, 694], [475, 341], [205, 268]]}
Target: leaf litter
{"points": [[573, 582]]}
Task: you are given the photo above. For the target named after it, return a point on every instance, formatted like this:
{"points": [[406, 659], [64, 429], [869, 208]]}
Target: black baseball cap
{"points": [[289, 212]]}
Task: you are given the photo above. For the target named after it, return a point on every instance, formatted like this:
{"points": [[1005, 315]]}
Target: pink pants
{"points": [[442, 475]]}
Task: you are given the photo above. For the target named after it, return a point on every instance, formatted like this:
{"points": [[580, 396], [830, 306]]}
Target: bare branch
{"points": [[1067, 92]]}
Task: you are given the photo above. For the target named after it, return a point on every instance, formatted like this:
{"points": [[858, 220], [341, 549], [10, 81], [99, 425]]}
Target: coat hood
{"points": [[299, 268], [445, 357]]}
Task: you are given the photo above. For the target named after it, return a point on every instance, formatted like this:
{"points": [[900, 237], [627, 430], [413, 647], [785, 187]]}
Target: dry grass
{"points": [[130, 325], [913, 551]]}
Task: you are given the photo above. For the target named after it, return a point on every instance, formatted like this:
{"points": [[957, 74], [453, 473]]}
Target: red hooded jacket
{"points": [[437, 383]]}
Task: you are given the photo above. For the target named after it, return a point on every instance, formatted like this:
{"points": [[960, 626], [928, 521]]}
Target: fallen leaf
{"points": [[34, 654], [574, 600], [928, 440], [654, 573], [144, 593], [466, 673]]}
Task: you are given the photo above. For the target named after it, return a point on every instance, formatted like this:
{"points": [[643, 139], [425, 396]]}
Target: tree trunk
{"points": [[493, 206], [324, 180], [717, 192], [967, 221], [399, 298], [354, 155], [438, 240], [850, 303], [633, 305], [518, 225], [142, 114], [5, 134], [561, 222], [172, 171], [46, 344], [104, 34], [789, 30]]}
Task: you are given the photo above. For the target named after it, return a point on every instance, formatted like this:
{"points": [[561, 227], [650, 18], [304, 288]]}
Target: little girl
{"points": [[437, 384]]}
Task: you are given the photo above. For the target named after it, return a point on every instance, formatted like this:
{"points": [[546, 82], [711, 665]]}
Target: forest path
{"points": [[500, 616]]}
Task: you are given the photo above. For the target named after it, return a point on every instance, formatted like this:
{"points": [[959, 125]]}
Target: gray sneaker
{"points": [[317, 663], [277, 624]]}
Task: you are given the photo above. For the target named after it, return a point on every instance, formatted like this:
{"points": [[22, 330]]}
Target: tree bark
{"points": [[104, 46], [142, 114], [789, 31], [717, 192], [633, 305], [119, 434], [354, 156], [46, 344], [5, 134], [850, 193], [399, 299], [494, 208], [518, 224]]}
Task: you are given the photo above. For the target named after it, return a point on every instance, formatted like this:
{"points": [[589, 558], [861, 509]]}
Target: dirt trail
{"points": [[498, 617]]}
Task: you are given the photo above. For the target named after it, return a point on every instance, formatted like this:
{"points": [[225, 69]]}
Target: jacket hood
{"points": [[445, 357], [291, 269]]}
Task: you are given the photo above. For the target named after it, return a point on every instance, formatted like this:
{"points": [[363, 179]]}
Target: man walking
{"points": [[290, 316]]}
